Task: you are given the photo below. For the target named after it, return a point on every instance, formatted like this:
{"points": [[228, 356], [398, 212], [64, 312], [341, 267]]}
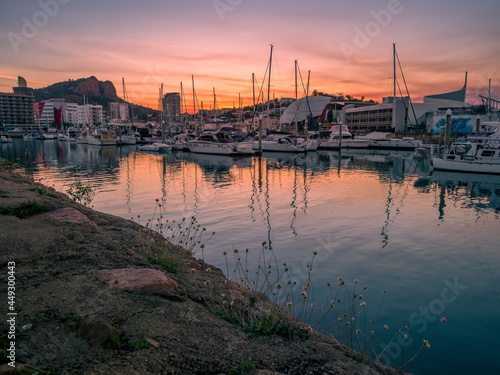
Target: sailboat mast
{"points": [[182, 106], [394, 83], [202, 121], [239, 109], [194, 107], [296, 80], [269, 90], [162, 119], [296, 98], [489, 99], [306, 126], [253, 89], [215, 104]]}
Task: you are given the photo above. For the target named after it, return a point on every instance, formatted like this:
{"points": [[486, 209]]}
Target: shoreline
{"points": [[89, 301]]}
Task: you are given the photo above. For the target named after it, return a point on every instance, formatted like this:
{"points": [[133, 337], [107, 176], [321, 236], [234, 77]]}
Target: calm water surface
{"points": [[429, 240]]}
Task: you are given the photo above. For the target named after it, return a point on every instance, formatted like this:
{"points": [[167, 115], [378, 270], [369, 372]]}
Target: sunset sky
{"points": [[345, 44]]}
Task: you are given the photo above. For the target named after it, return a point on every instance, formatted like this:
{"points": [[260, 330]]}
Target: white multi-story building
{"points": [[44, 114], [90, 115], [119, 111], [71, 113], [56, 112]]}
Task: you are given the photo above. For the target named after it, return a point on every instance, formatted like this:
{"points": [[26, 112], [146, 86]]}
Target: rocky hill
{"points": [[95, 91]]}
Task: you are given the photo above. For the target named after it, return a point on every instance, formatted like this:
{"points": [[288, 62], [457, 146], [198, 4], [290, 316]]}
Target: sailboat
{"points": [[127, 138], [386, 140]]}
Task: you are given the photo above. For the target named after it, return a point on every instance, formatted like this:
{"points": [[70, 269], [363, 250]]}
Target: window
{"points": [[488, 153]]}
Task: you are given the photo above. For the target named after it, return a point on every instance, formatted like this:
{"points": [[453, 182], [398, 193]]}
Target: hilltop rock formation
{"points": [[93, 87], [97, 92]]}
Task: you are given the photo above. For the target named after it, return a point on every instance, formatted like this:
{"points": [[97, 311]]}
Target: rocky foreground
{"points": [[88, 301]]}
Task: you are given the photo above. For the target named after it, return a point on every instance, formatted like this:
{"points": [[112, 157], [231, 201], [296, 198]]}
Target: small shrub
{"points": [[71, 321], [42, 190], [8, 165], [143, 344], [169, 264], [80, 193], [113, 341]]}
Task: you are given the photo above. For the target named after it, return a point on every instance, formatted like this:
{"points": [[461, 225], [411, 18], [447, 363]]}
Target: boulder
{"points": [[139, 279], [69, 215]]}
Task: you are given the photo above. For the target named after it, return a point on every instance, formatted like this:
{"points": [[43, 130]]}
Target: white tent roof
{"points": [[299, 110]]}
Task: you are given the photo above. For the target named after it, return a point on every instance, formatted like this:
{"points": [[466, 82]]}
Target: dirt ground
{"points": [[71, 321]]}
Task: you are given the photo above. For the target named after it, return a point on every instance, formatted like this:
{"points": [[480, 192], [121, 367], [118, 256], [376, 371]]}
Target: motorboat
{"points": [[219, 142], [30, 137], [156, 147], [283, 143], [47, 136], [126, 139], [4, 139], [340, 138], [15, 133], [63, 137], [476, 154], [386, 140], [180, 140]]}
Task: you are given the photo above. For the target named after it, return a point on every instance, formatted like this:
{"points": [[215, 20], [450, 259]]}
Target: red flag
{"points": [[58, 117]]}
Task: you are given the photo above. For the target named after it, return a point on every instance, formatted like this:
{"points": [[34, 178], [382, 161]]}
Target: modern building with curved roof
{"points": [[301, 109]]}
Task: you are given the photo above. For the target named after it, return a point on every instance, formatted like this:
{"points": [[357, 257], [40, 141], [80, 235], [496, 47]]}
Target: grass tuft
{"points": [[24, 210], [243, 368]]}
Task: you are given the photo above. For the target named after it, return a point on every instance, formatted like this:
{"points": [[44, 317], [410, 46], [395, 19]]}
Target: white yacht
{"points": [[126, 139], [61, 137], [341, 138], [219, 142], [47, 136], [284, 142], [387, 141], [180, 140], [476, 154], [156, 147]]}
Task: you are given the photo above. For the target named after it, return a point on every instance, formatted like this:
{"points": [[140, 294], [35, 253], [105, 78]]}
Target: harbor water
{"points": [[429, 240]]}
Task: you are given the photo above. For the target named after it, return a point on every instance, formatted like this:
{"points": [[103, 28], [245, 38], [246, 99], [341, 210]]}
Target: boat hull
{"points": [[272, 146], [391, 144], [472, 166], [326, 144], [214, 148]]}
